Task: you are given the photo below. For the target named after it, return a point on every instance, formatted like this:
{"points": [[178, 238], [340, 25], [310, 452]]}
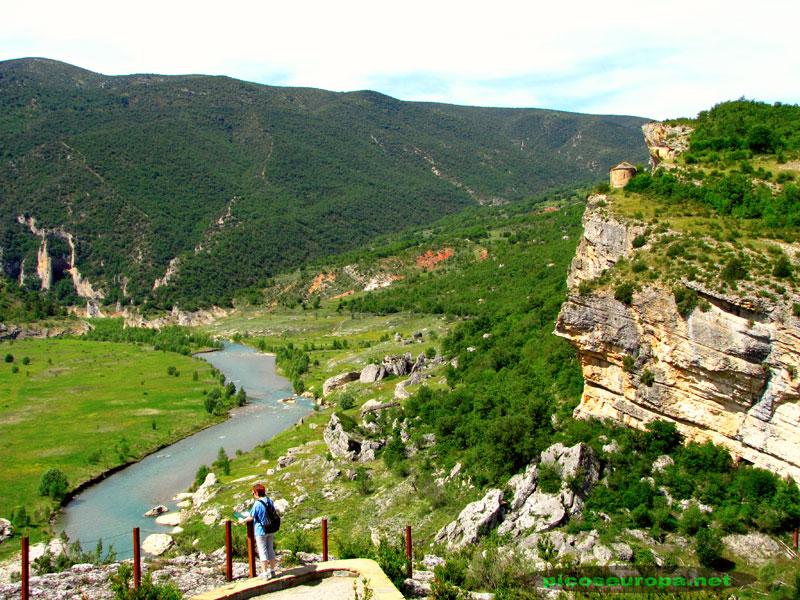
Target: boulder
{"points": [[206, 491], [172, 519], [281, 505], [156, 510], [340, 443], [623, 551], [540, 512], [6, 530], [285, 461], [157, 543], [477, 519], [758, 547], [399, 365], [338, 380], [661, 463], [400, 392], [372, 373]]}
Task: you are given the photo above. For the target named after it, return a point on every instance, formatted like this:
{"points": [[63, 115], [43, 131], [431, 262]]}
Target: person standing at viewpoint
{"points": [[264, 540]]}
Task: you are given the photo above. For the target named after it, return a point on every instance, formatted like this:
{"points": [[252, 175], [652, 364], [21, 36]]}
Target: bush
{"points": [[734, 271], [639, 241], [355, 546], [783, 268], [121, 586], [693, 520], [346, 401], [648, 378], [624, 293], [20, 518], [549, 479], [9, 358], [53, 484], [708, 546], [223, 463], [201, 475], [26, 360]]}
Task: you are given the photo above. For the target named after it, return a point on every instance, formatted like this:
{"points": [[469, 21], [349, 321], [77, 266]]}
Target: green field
{"points": [[85, 407]]}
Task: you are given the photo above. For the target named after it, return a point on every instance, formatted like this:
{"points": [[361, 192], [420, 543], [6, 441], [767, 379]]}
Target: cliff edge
{"points": [[724, 371]]}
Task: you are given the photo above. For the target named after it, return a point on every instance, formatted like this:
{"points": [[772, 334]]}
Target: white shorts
{"points": [[266, 551]]}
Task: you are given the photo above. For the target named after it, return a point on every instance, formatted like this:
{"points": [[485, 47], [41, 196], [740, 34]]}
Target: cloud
{"points": [[647, 59]]}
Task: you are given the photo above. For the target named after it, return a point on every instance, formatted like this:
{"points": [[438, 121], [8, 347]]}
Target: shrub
{"points": [[223, 463], [26, 360], [639, 241], [53, 484], [200, 475], [628, 363], [346, 401], [355, 546], [708, 546], [783, 268], [648, 378], [641, 516], [121, 586], [19, 517], [298, 541], [9, 358], [685, 300], [693, 520], [549, 479], [624, 293], [733, 271]]}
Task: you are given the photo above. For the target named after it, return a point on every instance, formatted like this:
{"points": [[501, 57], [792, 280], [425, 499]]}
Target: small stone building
{"points": [[621, 174]]}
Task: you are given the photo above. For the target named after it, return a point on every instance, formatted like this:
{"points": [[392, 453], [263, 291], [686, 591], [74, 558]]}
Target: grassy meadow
{"points": [[86, 407]]}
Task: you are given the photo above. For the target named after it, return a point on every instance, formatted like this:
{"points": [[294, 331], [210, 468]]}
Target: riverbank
{"points": [[88, 409]]}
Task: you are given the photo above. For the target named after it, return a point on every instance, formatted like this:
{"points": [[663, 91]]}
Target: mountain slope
{"points": [[239, 180]]}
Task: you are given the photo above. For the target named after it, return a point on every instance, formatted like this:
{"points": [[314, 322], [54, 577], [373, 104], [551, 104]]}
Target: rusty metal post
{"points": [[25, 569], [795, 538], [408, 549], [137, 559], [324, 540], [251, 547], [228, 551]]}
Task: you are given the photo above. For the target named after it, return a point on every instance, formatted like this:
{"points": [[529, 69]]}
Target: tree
{"points": [[223, 463], [53, 484]]}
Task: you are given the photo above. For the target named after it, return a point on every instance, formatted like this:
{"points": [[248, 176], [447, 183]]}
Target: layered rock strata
{"points": [[728, 374]]}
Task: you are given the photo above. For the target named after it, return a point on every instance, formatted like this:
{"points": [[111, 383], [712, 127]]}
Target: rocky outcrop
{"points": [[665, 141], [531, 509], [372, 373], [534, 510], [727, 374], [337, 381], [477, 519]]}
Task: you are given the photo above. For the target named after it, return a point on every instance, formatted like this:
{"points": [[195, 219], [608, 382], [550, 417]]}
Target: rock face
{"points": [[477, 519], [338, 380], [723, 375], [532, 509]]}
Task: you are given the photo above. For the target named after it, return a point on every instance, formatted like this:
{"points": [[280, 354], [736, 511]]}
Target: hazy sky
{"points": [[652, 59]]}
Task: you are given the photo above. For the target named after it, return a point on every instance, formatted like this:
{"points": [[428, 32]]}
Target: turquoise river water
{"points": [[114, 506]]}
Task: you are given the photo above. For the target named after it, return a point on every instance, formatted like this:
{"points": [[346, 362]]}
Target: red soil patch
{"points": [[430, 258]]}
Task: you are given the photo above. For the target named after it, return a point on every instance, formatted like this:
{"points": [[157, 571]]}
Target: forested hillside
{"points": [[239, 181]]}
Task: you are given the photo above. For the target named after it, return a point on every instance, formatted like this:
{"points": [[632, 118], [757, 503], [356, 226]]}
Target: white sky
{"points": [[652, 59]]}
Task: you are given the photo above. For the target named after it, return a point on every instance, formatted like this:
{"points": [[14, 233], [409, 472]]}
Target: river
{"points": [[113, 507]]}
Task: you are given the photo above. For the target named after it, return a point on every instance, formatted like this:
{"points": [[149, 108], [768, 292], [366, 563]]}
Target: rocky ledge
{"points": [[727, 374]]}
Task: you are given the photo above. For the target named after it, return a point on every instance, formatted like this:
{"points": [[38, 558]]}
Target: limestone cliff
{"points": [[728, 373]]}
